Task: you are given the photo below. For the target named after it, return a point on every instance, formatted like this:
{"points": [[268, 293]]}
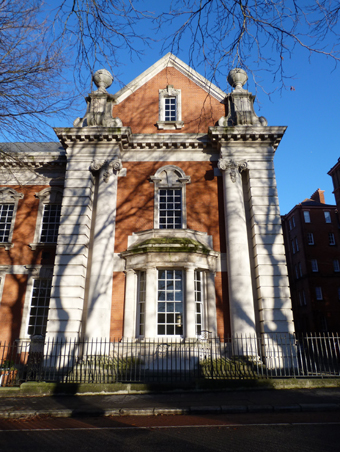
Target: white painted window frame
{"points": [[170, 92], [327, 215], [141, 294], [315, 267], [35, 272], [183, 302], [202, 303], [306, 215], [172, 177], [49, 195], [310, 238], [10, 196], [331, 238], [318, 293]]}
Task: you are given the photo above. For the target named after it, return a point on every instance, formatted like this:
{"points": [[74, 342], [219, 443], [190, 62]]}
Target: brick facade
{"points": [[147, 195]]}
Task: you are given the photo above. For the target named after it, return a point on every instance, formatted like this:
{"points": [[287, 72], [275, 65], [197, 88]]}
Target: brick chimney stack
{"points": [[319, 196]]}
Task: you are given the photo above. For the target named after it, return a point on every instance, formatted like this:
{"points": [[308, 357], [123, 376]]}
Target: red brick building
{"points": [[156, 216], [312, 240]]}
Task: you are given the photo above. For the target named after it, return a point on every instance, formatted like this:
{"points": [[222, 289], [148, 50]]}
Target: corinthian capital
{"points": [[232, 165]]}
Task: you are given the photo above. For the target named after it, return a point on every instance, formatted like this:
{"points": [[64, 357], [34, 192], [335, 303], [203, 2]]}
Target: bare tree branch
{"points": [[257, 35]]}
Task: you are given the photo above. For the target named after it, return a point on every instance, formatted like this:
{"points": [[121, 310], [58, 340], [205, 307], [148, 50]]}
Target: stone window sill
{"points": [[7, 245], [35, 246], [170, 125]]}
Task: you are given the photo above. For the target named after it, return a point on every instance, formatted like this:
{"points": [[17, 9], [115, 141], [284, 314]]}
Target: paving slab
{"points": [[212, 402]]}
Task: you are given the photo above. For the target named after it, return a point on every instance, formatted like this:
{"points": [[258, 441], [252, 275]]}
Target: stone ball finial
{"points": [[102, 79], [237, 77]]}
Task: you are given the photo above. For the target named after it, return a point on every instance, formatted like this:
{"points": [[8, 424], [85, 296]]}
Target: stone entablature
{"points": [[246, 135]]}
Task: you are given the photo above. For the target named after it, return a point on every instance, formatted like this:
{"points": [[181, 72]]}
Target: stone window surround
{"points": [[10, 196], [49, 195], [34, 272], [159, 183], [184, 261], [170, 91]]}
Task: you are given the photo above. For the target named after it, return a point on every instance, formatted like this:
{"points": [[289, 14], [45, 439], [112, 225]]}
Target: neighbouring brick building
{"points": [[156, 216], [312, 241]]}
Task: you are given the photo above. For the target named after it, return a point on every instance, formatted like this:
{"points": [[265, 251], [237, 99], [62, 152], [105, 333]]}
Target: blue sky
{"points": [[311, 112]]}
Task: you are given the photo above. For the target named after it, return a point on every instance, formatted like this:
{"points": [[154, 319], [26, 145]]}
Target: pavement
{"points": [[186, 402]]}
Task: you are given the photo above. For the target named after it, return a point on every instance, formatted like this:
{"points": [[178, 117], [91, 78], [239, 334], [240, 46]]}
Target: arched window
{"points": [[170, 198], [48, 219]]}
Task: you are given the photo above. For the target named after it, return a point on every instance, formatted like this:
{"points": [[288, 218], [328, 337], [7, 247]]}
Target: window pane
{"points": [[169, 312], [6, 215], [198, 301], [50, 223], [170, 109], [327, 217], [306, 216], [331, 238], [170, 212], [141, 302], [39, 307]]}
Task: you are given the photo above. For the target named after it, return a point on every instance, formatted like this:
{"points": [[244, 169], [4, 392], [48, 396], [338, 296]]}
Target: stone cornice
{"points": [[168, 141], [266, 135], [71, 135], [33, 162]]}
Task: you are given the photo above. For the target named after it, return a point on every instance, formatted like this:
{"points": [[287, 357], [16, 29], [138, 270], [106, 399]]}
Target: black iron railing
{"points": [[104, 361]]}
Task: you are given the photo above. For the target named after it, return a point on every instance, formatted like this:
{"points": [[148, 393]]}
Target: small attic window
{"points": [[170, 109]]}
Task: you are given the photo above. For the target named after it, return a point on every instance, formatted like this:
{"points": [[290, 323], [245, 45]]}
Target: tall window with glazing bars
{"points": [[40, 303], [170, 208], [50, 223], [6, 216]]}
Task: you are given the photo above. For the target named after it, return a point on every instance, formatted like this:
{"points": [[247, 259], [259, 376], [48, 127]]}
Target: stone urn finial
{"points": [[102, 79], [99, 104], [237, 77]]}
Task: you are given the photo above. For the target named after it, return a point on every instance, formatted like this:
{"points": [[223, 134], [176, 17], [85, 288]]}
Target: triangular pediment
{"points": [[169, 60]]}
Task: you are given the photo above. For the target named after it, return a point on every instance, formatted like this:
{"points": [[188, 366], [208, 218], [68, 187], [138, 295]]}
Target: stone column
{"points": [[151, 303], [241, 300], [190, 306], [98, 314], [130, 312], [211, 320]]}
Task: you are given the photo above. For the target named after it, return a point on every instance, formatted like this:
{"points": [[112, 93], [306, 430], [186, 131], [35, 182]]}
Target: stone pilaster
{"points": [[273, 293], [70, 269]]}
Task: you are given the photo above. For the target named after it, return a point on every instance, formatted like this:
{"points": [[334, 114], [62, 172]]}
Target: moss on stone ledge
{"points": [[170, 245]]}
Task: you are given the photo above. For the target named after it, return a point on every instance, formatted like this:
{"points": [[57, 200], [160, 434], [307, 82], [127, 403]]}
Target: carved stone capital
{"points": [[232, 165], [96, 165], [109, 167]]}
